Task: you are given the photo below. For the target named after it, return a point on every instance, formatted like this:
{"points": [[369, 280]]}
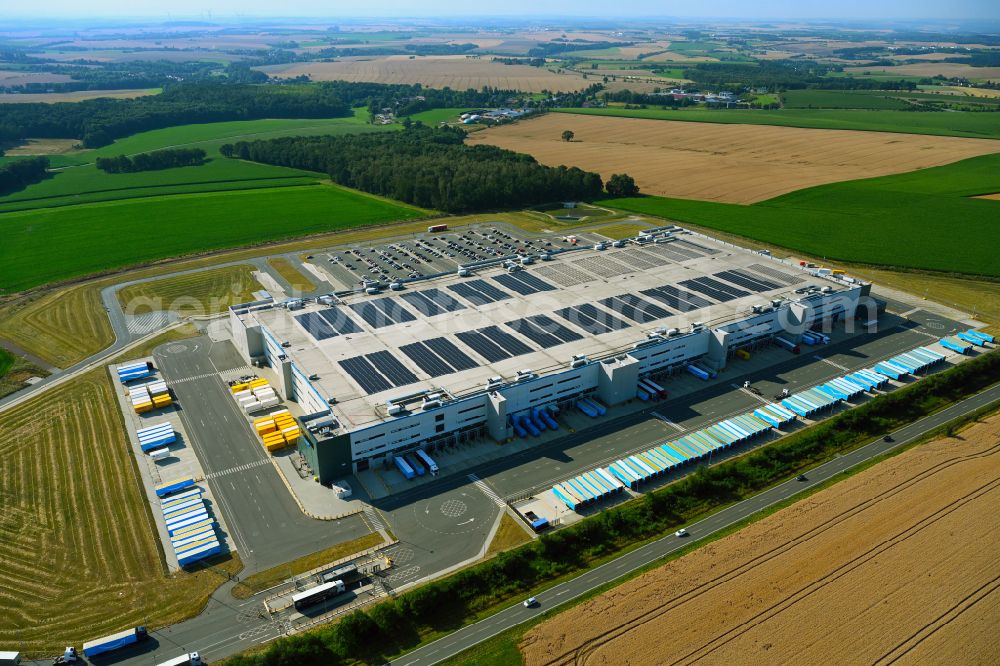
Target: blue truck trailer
{"points": [[114, 641]]}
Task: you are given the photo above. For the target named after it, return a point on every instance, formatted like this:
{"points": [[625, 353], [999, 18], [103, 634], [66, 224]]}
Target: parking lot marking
{"points": [[486, 490], [836, 365], [670, 423]]}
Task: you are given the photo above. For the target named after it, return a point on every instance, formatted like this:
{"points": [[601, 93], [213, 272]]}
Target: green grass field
{"points": [[977, 125], [51, 244], [77, 180], [435, 116], [202, 292], [840, 99], [920, 220], [6, 362]]}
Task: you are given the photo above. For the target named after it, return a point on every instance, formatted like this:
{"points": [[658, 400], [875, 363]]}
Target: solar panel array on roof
{"points": [[672, 250], [426, 360], [590, 319], [635, 308], [695, 246], [339, 320], [430, 302], [719, 291], [747, 280], [447, 350], [393, 370], [493, 344], [637, 258], [564, 274], [438, 356], [316, 326], [543, 331], [678, 299], [381, 312], [365, 374], [523, 283], [378, 371], [604, 267], [478, 292], [775, 274]]}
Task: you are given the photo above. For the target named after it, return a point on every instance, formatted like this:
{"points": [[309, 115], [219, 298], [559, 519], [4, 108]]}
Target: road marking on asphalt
{"points": [[751, 394], [192, 378], [238, 468], [909, 312], [828, 361], [486, 490], [668, 422], [373, 517]]}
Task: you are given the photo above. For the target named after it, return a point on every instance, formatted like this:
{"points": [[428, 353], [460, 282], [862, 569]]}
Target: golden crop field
{"points": [[76, 96], [896, 563], [79, 553], [457, 72], [199, 293], [948, 69], [717, 162]]}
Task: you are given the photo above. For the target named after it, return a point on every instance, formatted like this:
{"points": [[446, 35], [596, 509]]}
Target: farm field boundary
{"points": [[927, 219], [967, 124]]}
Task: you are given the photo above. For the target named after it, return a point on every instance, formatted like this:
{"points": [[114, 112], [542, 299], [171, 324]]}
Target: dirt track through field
{"points": [[897, 564], [730, 163]]}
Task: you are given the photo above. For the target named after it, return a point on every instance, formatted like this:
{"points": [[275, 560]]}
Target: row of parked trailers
{"points": [[154, 439], [416, 463], [635, 469], [189, 525], [131, 371]]}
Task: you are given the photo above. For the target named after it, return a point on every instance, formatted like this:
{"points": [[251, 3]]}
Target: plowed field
{"points": [[730, 163], [456, 72], [896, 564]]}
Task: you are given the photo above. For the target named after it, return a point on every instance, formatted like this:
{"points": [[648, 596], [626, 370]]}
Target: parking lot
{"points": [[432, 253]]}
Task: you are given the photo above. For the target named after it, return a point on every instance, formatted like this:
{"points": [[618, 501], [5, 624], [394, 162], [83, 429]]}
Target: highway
{"points": [[620, 567]]}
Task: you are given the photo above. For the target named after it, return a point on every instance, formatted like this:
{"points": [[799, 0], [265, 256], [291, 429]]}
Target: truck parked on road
{"points": [[190, 659], [8, 658], [114, 641]]}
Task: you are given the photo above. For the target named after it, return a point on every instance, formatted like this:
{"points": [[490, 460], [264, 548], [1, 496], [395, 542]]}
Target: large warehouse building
{"points": [[464, 356]]}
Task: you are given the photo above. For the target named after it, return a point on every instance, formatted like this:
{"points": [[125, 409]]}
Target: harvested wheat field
{"points": [[457, 72], [718, 162], [899, 562]]}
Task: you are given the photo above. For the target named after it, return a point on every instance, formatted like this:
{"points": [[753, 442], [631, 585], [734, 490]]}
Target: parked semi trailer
{"points": [[10, 658], [190, 659], [114, 641]]}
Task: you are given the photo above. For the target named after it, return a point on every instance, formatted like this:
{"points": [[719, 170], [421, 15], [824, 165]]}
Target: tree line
{"points": [[426, 167], [375, 635], [98, 122], [158, 159], [18, 174]]}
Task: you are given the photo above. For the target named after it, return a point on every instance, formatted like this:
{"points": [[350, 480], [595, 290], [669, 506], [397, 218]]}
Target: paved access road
{"points": [[266, 525], [475, 633]]}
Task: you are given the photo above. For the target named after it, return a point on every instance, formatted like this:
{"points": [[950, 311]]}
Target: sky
{"points": [[623, 9]]}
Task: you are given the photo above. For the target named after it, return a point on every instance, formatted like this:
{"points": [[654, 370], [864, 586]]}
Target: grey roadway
{"points": [[473, 634], [265, 523]]}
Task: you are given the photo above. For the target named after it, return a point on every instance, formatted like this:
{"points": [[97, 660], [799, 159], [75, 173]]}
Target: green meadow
{"points": [[924, 219], [51, 244]]}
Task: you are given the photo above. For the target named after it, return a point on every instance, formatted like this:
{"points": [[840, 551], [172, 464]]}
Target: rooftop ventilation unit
{"points": [[396, 286], [464, 272], [671, 332]]}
